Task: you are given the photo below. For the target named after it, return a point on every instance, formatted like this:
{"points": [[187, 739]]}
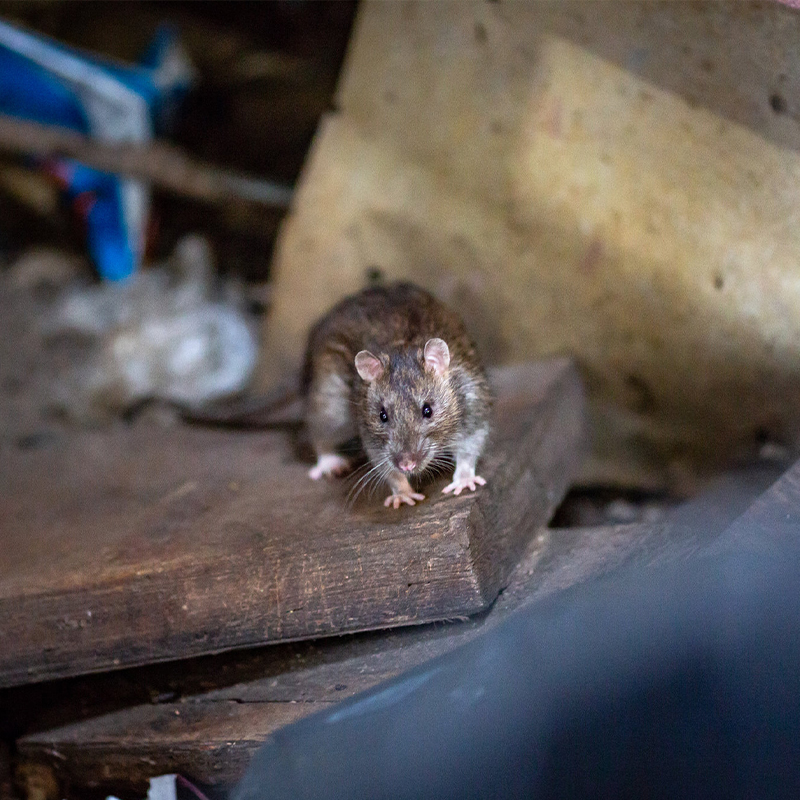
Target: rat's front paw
{"points": [[328, 464], [402, 497], [470, 482]]}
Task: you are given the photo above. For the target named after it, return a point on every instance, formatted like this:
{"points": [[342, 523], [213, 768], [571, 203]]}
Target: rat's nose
{"points": [[406, 462]]}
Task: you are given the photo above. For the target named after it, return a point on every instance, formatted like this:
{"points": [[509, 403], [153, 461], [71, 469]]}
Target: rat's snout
{"points": [[407, 462]]}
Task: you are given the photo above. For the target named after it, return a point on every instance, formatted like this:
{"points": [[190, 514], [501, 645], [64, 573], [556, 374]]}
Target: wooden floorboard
{"points": [[142, 545], [210, 733], [210, 736]]}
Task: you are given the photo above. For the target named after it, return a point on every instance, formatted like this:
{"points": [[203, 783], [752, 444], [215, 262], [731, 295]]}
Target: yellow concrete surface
{"points": [[618, 181]]}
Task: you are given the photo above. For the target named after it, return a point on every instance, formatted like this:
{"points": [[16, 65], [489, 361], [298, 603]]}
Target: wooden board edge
{"points": [[543, 468]]}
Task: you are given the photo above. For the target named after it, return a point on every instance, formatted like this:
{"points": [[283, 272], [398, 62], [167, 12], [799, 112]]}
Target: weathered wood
{"points": [[158, 163], [146, 545], [211, 735]]}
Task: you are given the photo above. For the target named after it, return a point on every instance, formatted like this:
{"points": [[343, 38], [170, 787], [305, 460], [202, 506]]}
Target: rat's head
{"points": [[409, 408]]}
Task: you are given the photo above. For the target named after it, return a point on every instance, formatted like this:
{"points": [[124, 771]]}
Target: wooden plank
{"points": [[210, 735], [144, 545], [158, 163]]}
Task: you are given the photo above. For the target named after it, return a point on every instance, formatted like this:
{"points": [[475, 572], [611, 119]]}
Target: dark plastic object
{"points": [[680, 680]]}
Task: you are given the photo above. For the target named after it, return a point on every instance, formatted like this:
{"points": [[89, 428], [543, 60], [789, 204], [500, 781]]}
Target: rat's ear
{"points": [[437, 356], [368, 366]]}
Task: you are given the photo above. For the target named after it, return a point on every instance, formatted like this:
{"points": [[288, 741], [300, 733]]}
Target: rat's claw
{"points": [[405, 497], [468, 482]]}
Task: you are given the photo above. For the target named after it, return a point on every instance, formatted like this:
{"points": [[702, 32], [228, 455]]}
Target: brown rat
{"points": [[396, 367]]}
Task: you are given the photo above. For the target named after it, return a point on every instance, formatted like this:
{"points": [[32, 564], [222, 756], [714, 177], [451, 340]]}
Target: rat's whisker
{"points": [[362, 482], [370, 478], [439, 465]]}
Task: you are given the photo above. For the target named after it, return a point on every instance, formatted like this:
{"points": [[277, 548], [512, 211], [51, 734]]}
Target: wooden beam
{"points": [[144, 545], [216, 711], [157, 163], [210, 736]]}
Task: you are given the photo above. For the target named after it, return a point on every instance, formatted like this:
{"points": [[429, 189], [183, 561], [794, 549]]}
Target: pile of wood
{"points": [[135, 546]]}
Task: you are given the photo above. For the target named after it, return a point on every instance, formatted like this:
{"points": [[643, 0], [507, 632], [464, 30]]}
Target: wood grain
{"points": [[218, 710], [144, 545], [210, 736]]}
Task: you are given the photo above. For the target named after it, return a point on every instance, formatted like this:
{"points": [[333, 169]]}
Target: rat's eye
{"points": [[427, 411], [384, 417]]}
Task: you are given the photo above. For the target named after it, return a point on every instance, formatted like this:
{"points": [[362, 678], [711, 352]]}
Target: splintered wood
{"points": [[142, 545]]}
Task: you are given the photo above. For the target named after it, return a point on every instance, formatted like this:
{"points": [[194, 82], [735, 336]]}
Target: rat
{"points": [[396, 367]]}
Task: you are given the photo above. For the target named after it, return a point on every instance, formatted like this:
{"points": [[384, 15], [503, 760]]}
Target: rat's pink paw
{"points": [[470, 482], [403, 497], [328, 464]]}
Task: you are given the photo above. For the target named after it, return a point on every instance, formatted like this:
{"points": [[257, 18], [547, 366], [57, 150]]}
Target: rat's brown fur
{"points": [[394, 323]]}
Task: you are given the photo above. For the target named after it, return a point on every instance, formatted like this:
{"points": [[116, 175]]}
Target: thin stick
{"points": [[158, 163]]}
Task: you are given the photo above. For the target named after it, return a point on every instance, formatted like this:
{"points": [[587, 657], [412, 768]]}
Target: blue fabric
{"points": [[30, 91]]}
